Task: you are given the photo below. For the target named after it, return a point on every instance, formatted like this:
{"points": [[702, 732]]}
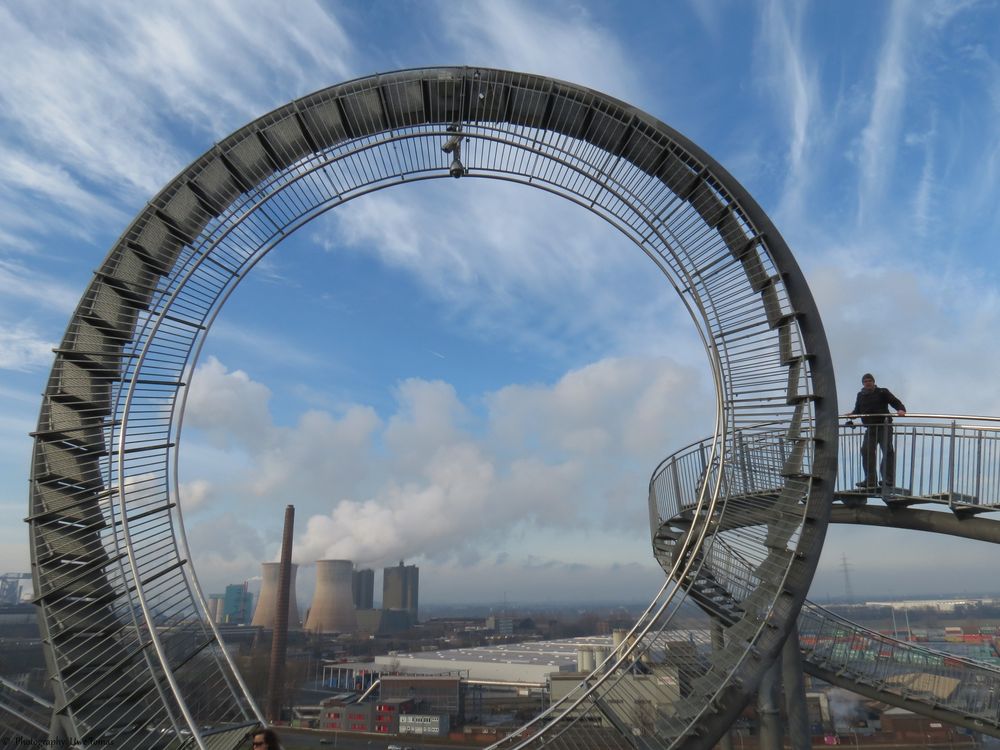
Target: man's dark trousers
{"points": [[878, 436]]}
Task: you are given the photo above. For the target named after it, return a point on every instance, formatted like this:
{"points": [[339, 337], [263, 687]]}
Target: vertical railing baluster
{"points": [[677, 485], [979, 469], [739, 455], [951, 468]]}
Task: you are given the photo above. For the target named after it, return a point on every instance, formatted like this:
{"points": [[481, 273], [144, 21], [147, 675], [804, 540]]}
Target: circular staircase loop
{"points": [[130, 653]]}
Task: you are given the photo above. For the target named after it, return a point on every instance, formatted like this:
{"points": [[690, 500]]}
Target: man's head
{"points": [[867, 381], [264, 739]]}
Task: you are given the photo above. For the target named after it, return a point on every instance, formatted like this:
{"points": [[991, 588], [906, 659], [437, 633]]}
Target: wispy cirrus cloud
{"points": [[261, 344], [792, 81], [43, 198], [23, 348], [562, 40], [107, 91], [22, 282], [880, 136], [516, 265], [923, 197]]}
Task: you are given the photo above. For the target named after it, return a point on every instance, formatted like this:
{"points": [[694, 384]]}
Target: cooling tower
{"points": [[215, 602], [332, 608], [267, 600]]}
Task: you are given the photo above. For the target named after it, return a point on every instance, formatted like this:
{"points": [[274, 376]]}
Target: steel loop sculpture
{"points": [[131, 654]]}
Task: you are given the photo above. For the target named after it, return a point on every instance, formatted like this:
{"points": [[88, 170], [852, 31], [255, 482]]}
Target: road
{"points": [[304, 739]]}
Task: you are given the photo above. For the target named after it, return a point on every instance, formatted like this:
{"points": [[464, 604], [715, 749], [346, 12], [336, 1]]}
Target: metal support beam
{"points": [[915, 519], [719, 644], [768, 711], [793, 679]]}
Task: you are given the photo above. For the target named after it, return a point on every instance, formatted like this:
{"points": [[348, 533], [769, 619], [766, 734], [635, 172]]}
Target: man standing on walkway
{"points": [[872, 405]]}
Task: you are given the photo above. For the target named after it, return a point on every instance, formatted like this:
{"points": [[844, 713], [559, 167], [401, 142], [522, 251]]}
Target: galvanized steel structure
{"points": [[131, 653]]}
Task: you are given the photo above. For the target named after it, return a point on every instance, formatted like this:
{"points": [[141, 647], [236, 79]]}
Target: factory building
{"points": [[336, 714], [383, 621], [237, 604], [531, 662], [404, 713], [363, 588], [649, 698], [431, 695], [400, 588]]}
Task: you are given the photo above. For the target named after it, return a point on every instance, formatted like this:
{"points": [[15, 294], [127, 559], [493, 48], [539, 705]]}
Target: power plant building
{"points": [[267, 601], [363, 588], [332, 609], [237, 604], [400, 588]]}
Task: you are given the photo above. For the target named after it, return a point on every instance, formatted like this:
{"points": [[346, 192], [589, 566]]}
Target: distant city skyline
{"points": [[476, 376]]}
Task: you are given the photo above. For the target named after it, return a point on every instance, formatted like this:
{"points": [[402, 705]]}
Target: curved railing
{"points": [[946, 459], [941, 459], [938, 684]]}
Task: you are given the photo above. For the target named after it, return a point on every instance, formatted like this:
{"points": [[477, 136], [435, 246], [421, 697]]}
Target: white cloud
{"points": [[320, 455], [440, 509], [429, 417], [926, 333], [194, 494], [226, 548], [441, 480], [320, 458], [21, 348], [228, 407]]}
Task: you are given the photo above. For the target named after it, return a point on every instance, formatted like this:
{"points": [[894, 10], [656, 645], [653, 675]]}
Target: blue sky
{"points": [[472, 376]]}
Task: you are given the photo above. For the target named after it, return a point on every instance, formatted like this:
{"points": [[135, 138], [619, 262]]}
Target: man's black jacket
{"points": [[876, 401]]}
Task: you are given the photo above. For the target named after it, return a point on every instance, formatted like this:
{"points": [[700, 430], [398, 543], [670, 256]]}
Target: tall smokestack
{"points": [[266, 614], [332, 609], [279, 641]]}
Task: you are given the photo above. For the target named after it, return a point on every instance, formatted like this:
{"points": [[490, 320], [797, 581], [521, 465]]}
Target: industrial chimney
{"points": [[267, 600], [279, 639], [332, 609]]}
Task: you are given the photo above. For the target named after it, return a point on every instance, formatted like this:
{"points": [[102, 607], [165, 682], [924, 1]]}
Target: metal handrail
{"points": [[955, 463], [965, 687], [908, 670]]}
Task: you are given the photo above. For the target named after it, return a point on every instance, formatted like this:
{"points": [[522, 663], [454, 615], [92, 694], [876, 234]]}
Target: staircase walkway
{"points": [[24, 716], [946, 461]]}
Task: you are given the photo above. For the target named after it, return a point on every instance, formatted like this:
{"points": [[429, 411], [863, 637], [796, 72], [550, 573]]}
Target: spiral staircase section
{"points": [[949, 463], [132, 657], [24, 716]]}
